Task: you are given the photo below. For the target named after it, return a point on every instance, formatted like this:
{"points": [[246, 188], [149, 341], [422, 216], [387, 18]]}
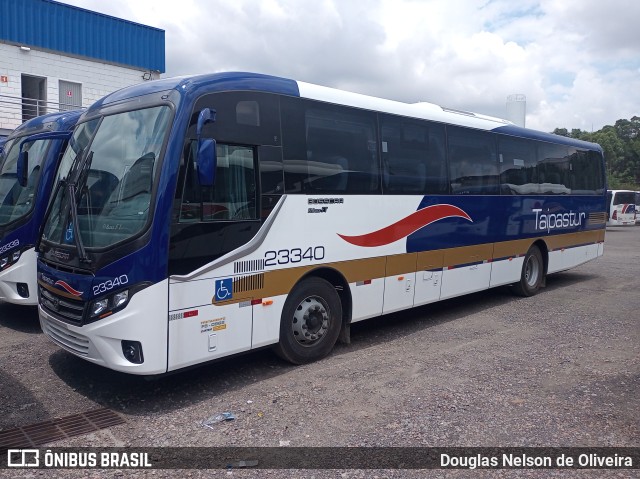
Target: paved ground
{"points": [[559, 369]]}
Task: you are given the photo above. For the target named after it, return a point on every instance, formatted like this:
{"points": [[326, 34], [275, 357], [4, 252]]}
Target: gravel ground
{"points": [[490, 369]]}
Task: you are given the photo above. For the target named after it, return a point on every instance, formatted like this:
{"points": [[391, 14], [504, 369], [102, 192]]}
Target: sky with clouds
{"points": [[577, 61]]}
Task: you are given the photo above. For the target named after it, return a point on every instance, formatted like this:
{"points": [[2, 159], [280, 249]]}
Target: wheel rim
{"points": [[532, 271], [311, 321]]}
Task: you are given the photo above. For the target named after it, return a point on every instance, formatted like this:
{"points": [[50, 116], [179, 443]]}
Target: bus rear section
{"points": [[25, 185], [622, 208]]}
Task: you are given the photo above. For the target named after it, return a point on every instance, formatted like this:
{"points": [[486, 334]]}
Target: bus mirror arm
{"points": [[207, 161], [22, 168], [207, 158]]}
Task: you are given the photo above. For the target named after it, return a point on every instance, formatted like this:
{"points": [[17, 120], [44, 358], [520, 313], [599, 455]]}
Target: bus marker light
{"points": [[267, 302], [256, 301], [400, 278]]}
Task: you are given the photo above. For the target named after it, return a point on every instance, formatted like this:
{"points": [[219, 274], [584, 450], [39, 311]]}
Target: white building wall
{"points": [[97, 79]]}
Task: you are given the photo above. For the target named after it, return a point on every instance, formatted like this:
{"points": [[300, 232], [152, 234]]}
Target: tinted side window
{"points": [[242, 117], [554, 169], [413, 160], [517, 166], [586, 173], [472, 162], [329, 149]]}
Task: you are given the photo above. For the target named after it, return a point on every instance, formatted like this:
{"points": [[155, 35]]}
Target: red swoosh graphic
{"points": [[404, 227], [68, 288]]}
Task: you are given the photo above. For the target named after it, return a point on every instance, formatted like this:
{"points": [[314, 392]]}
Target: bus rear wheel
{"points": [[532, 273], [311, 320]]}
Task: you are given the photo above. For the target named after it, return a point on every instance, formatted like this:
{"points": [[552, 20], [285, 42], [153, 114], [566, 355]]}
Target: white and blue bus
{"points": [[621, 208], [25, 187], [196, 218]]}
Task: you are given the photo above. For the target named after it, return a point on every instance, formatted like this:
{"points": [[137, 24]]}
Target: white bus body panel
{"points": [[200, 331], [266, 321], [428, 284], [367, 299], [23, 271], [399, 292], [465, 279], [506, 271], [144, 319]]}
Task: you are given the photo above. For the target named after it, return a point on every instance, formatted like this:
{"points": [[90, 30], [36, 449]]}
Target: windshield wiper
{"points": [[84, 163], [62, 183]]}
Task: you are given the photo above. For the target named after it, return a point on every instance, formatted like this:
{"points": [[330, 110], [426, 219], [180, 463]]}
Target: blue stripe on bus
{"points": [[516, 220]]}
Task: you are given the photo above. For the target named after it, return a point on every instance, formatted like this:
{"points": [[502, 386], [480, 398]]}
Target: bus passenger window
{"points": [[517, 166], [413, 158], [472, 162], [553, 169], [328, 149]]}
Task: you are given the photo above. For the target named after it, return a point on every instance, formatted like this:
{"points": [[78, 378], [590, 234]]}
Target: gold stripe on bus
{"points": [[468, 254], [568, 240], [428, 260], [281, 281], [401, 264], [510, 249]]}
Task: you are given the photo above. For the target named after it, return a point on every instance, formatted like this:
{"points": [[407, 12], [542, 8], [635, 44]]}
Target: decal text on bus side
{"points": [[552, 221]]}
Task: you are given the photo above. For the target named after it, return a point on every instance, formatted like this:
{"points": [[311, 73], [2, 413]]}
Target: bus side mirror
{"points": [[207, 160], [206, 157], [22, 168]]}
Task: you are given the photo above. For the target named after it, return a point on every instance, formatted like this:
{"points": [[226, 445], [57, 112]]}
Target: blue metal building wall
{"points": [[67, 29]]}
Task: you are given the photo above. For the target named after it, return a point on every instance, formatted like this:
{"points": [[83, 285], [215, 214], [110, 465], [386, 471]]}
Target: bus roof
{"points": [[58, 121], [239, 81]]}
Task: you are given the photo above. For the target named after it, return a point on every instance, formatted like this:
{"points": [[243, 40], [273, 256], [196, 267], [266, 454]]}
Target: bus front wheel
{"points": [[311, 320], [532, 273]]}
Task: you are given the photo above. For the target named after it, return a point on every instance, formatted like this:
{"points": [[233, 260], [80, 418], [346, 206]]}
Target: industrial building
{"points": [[57, 57]]}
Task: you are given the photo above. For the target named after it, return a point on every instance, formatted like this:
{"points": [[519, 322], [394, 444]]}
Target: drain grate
{"points": [[61, 428]]}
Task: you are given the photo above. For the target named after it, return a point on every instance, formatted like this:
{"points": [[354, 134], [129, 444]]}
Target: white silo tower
{"points": [[517, 109]]}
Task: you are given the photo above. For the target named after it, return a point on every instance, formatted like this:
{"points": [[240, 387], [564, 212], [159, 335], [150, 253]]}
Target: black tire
{"points": [[532, 275], [310, 323]]}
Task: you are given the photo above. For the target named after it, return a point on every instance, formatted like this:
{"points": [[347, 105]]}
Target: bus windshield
{"points": [[108, 173], [624, 197], [17, 201]]}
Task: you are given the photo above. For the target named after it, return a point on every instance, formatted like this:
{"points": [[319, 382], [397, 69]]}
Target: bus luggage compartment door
{"points": [[399, 282]]}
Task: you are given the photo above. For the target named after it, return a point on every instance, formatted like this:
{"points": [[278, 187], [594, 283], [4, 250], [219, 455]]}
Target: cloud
{"points": [[577, 61]]}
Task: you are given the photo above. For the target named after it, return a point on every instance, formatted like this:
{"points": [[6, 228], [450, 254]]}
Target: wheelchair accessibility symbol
{"points": [[224, 289]]}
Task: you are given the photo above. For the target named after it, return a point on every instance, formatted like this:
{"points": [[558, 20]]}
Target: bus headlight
{"points": [[10, 259], [120, 298], [99, 307]]}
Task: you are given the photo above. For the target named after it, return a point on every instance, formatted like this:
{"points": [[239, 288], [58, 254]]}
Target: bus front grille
{"points": [[66, 339], [67, 310]]}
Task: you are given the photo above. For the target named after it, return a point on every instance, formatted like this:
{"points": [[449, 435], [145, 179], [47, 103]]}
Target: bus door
{"points": [[210, 295], [208, 315]]}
